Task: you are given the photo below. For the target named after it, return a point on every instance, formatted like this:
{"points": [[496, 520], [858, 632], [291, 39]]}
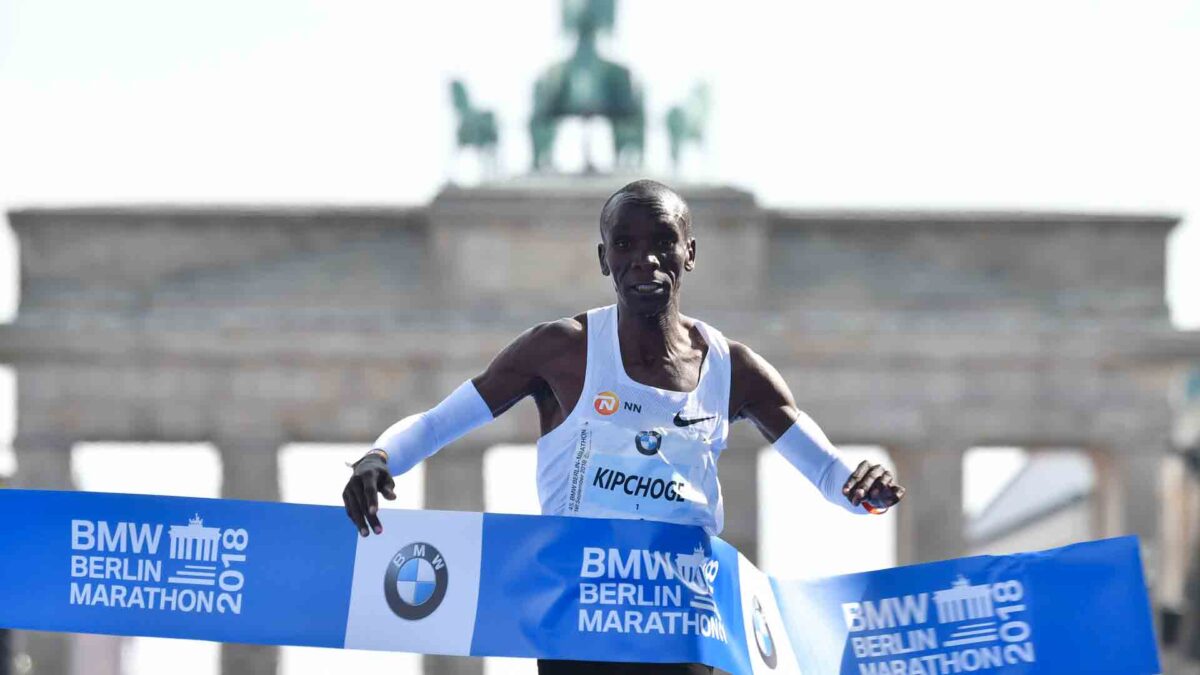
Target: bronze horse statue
{"points": [[686, 122], [587, 85], [476, 127]]}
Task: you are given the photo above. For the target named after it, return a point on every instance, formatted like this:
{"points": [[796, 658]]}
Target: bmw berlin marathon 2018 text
{"points": [[121, 564], [644, 591]]}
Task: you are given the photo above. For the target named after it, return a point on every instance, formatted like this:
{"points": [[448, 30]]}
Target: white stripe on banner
{"points": [[429, 563], [764, 624]]}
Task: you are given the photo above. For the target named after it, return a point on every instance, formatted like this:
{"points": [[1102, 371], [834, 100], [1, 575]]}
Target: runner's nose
{"points": [[646, 258]]}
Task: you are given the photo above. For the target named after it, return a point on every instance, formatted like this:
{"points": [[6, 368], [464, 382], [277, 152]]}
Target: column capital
{"points": [[242, 659], [248, 439], [468, 448], [1157, 446], [932, 445], [434, 664], [45, 440]]}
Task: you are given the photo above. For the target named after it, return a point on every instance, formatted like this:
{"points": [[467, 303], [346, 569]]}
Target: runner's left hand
{"points": [[362, 504], [874, 485]]}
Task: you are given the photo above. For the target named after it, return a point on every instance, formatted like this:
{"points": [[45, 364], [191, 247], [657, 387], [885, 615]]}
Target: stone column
{"points": [[249, 470], [96, 655], [738, 469], [454, 482], [1141, 473], [44, 463], [6, 652], [929, 522], [1128, 497], [454, 477], [1130, 486]]}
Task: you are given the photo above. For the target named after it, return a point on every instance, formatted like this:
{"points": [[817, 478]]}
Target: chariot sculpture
{"points": [[587, 85]]}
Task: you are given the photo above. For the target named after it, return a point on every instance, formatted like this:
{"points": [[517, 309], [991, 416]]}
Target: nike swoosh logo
{"points": [[681, 422]]}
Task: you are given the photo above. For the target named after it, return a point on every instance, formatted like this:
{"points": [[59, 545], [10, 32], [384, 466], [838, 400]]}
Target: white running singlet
{"points": [[629, 450]]}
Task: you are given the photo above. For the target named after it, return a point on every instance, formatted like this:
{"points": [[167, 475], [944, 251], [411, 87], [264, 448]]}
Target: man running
{"points": [[686, 382]]}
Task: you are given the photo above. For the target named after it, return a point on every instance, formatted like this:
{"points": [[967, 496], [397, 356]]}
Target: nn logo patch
{"points": [[606, 403]]}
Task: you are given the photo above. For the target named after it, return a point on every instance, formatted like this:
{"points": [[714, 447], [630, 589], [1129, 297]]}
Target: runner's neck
{"points": [[651, 339]]}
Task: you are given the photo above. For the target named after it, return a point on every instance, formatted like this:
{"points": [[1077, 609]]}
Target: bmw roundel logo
{"points": [[648, 442], [415, 582], [762, 637]]}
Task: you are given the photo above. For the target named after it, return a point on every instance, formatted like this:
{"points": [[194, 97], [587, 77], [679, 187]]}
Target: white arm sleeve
{"points": [[416, 437], [806, 448]]}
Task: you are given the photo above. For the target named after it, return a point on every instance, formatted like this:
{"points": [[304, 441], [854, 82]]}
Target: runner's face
{"points": [[646, 255]]}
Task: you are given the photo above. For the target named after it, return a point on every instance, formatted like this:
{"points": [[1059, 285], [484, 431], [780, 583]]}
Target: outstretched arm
{"points": [[512, 375], [759, 394]]}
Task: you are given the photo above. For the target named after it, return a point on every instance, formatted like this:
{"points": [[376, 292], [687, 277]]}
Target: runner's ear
{"points": [[603, 265]]}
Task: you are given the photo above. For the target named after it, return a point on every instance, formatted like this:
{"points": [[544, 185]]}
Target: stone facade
{"points": [[926, 333]]}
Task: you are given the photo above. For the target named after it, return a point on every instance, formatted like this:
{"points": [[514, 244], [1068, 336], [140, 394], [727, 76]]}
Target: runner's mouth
{"points": [[650, 288]]}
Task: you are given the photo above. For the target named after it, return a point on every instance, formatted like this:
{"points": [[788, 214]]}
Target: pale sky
{"points": [[1072, 104]]}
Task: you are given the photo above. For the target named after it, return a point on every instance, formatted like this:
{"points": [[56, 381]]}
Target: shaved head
{"points": [[654, 197]]}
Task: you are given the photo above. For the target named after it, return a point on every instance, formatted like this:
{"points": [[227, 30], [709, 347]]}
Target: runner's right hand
{"points": [[360, 496]]}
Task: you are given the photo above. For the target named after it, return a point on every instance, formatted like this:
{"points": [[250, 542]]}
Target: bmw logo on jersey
{"points": [[648, 442]]}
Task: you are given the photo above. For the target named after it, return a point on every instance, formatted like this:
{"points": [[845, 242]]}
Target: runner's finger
{"points": [[355, 491], [373, 521], [388, 488], [881, 487], [861, 471], [859, 492], [885, 491], [370, 499], [353, 510]]}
